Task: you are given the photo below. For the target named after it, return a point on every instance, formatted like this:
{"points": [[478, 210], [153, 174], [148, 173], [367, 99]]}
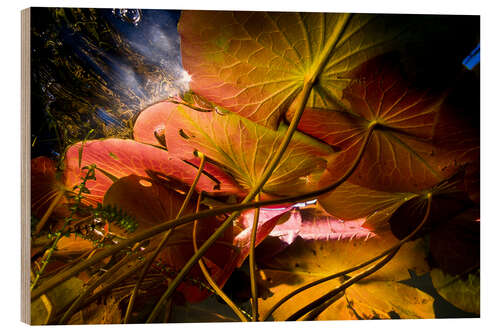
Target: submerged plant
{"points": [[323, 147]]}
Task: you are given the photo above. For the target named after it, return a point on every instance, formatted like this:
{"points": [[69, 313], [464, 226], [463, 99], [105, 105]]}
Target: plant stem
{"points": [[151, 232], [298, 106], [342, 287], [49, 211], [316, 312], [390, 254], [251, 260], [109, 273], [209, 279], [110, 286], [78, 200], [165, 238], [355, 268]]}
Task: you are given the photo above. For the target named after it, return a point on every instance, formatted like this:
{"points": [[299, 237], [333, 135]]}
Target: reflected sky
{"points": [[96, 69]]}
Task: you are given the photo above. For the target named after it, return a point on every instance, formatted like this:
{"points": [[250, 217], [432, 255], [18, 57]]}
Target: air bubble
{"points": [[132, 16]]}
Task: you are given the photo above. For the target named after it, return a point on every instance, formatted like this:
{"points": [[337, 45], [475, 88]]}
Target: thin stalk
{"points": [[110, 286], [342, 287], [298, 106], [209, 279], [316, 312], [251, 261], [50, 251], [153, 231], [165, 238], [49, 211], [67, 315], [168, 311], [355, 268], [48, 255]]}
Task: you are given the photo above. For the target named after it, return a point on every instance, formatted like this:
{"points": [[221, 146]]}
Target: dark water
{"points": [[96, 69]]}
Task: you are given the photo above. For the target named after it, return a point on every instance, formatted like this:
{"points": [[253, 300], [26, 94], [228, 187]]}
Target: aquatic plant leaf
{"points": [[350, 201], [104, 312], [266, 224], [381, 300], [313, 223], [45, 187], [72, 245], [116, 158], [316, 224], [145, 200], [239, 146], [457, 131], [457, 125], [209, 311], [454, 244], [397, 212], [255, 63], [400, 155], [151, 203], [325, 257], [46, 306], [461, 291], [289, 223], [306, 261]]}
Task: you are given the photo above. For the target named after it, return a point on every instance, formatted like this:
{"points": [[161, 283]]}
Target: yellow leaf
{"points": [[54, 301], [381, 300], [463, 293], [307, 261]]}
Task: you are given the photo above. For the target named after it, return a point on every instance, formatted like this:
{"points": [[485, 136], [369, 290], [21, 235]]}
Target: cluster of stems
{"points": [[310, 311], [90, 174]]}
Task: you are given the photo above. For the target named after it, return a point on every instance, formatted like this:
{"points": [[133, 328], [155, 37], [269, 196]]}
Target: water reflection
{"points": [[97, 68]]}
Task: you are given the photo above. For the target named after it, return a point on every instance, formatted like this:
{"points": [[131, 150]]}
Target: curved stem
{"points": [[49, 211], [251, 260], [151, 232], [163, 241], [316, 312], [342, 287], [298, 107], [209, 279], [50, 251], [355, 268], [90, 288], [389, 253], [110, 286]]}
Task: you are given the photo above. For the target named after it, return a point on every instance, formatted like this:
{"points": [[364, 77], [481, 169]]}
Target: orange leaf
{"points": [[239, 146]]}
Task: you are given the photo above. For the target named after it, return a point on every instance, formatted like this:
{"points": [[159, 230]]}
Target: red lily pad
{"points": [[116, 158], [400, 156]]}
